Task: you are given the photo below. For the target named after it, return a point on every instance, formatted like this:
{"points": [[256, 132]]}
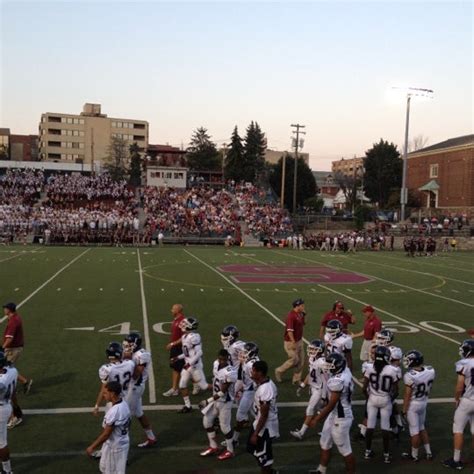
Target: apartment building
{"points": [[86, 138], [348, 167]]}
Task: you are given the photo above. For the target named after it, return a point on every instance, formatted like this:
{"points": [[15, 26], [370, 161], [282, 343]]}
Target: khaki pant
{"points": [[12, 354], [295, 360]]}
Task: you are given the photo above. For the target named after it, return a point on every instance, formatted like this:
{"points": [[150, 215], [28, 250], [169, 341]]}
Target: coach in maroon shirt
{"points": [[175, 349], [338, 312], [293, 342], [372, 326]]}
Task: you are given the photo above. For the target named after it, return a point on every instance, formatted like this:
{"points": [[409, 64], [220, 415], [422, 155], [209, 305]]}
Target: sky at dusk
{"points": [[327, 65]]}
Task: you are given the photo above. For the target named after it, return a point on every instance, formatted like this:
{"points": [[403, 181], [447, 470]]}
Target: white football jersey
{"points": [[234, 350], [142, 357], [421, 382], [267, 393], [192, 348], [466, 367], [226, 375], [119, 417], [122, 373], [247, 382], [104, 371], [342, 383], [340, 344], [9, 379], [381, 384], [317, 375]]}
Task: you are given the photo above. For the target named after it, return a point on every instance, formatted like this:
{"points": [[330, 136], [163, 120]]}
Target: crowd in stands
{"points": [[20, 187]]}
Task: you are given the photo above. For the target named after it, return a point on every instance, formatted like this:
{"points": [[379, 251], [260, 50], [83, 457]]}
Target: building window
{"points": [[140, 126], [434, 171], [54, 143], [138, 137], [54, 119]]}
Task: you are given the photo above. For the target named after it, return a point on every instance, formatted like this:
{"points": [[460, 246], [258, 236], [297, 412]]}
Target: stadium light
{"points": [[410, 92]]}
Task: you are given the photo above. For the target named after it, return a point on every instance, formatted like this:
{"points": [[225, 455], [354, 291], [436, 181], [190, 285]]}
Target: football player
{"points": [[338, 414], [192, 355], [337, 341], [8, 381], [265, 426], [231, 343], [418, 382], [220, 406], [248, 356], [464, 397], [132, 349], [316, 379], [380, 383]]}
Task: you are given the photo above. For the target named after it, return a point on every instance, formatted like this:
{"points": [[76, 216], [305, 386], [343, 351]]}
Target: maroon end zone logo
{"points": [[290, 274]]}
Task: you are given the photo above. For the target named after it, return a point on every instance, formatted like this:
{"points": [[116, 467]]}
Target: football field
{"points": [[74, 301]]}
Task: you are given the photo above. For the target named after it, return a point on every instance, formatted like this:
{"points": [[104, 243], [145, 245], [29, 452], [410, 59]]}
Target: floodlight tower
{"points": [[411, 92]]}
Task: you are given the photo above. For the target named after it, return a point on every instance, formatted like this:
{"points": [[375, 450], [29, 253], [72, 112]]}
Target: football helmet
{"points": [[334, 328], [249, 351], [335, 363], [395, 353], [189, 324], [384, 337], [229, 335], [3, 360], [114, 350], [412, 358], [316, 348], [132, 342], [381, 356], [466, 349]]}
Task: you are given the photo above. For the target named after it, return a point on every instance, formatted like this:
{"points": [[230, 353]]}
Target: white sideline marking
{"points": [[79, 410], [11, 258], [386, 281], [146, 331], [19, 305], [276, 318]]}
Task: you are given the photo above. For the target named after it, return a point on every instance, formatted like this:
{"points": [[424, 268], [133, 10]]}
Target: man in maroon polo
{"points": [[345, 317], [293, 342], [175, 349], [372, 326]]}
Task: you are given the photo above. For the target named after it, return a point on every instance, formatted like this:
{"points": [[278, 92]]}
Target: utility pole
{"points": [[283, 180], [92, 152], [295, 175]]}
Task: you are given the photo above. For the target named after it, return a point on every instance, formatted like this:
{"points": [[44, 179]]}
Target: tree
{"points": [[315, 203], [135, 165], [235, 158], [306, 184], [417, 143], [202, 154], [348, 185], [117, 158], [254, 155], [383, 172]]}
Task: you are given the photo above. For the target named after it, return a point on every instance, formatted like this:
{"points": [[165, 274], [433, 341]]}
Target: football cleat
{"points": [[296, 434], [369, 454], [429, 456], [14, 421], [185, 409], [209, 452], [225, 455], [409, 457], [148, 443], [387, 458], [451, 463]]}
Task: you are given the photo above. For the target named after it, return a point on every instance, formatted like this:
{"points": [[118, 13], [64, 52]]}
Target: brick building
{"points": [[24, 147], [443, 174], [348, 167]]}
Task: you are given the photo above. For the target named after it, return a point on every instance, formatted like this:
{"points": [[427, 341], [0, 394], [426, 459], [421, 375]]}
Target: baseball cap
{"points": [[298, 302], [10, 306], [368, 309]]}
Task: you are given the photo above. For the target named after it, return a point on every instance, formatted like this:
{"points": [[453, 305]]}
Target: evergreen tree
{"points": [[202, 154], [235, 158], [135, 166], [383, 172], [254, 156], [306, 184]]}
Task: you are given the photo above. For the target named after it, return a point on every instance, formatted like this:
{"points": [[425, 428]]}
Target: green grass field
{"points": [[429, 301]]}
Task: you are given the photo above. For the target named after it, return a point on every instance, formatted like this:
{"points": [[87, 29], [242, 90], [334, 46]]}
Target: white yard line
{"points": [[19, 305], [12, 257], [80, 410], [382, 279], [276, 318], [146, 332]]}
